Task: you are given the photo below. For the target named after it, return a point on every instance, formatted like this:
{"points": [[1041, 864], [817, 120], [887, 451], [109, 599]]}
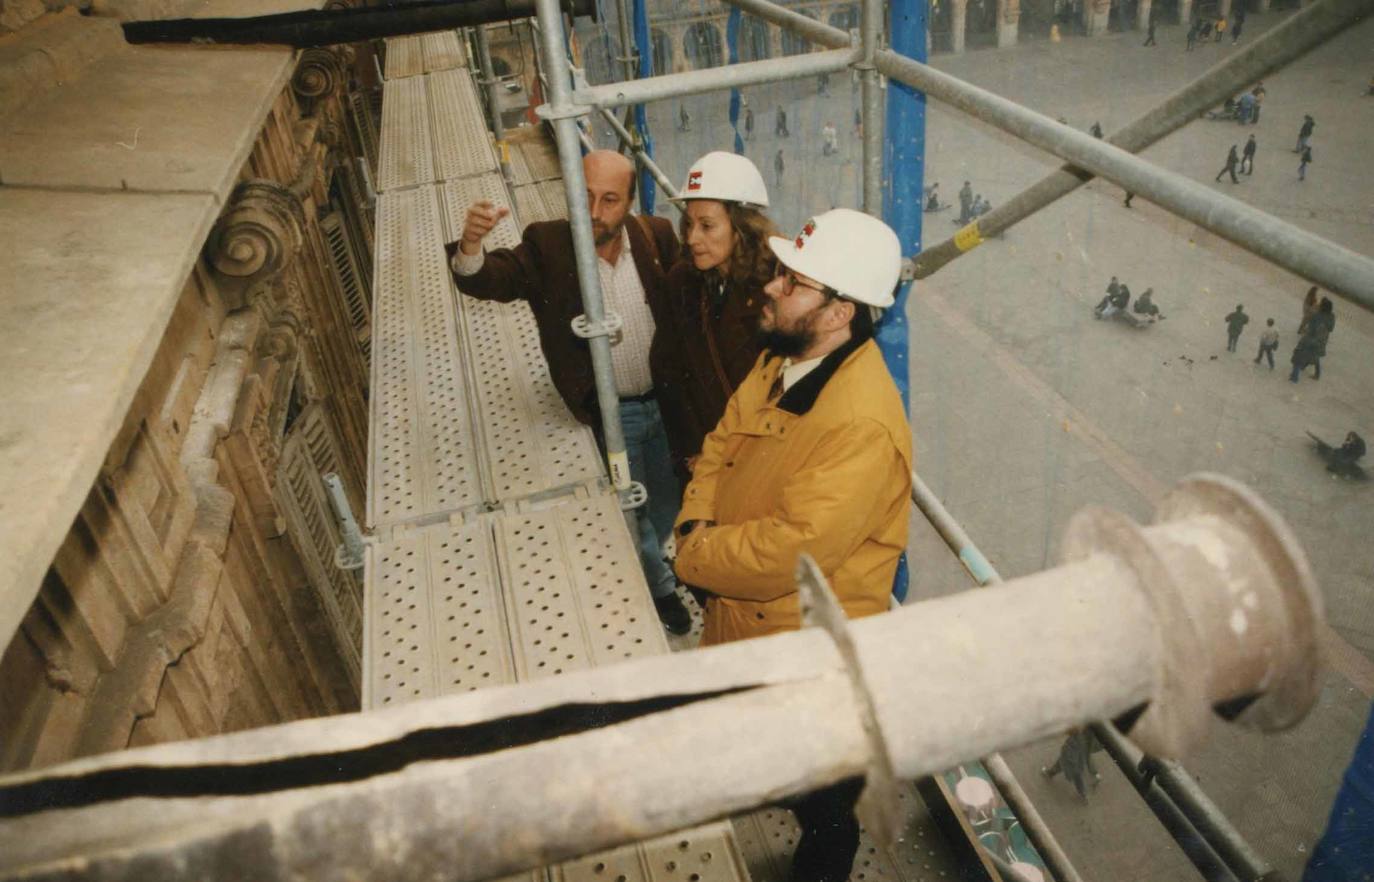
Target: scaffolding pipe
{"points": [[499, 781], [1177, 787], [1038, 831], [1308, 255], [1276, 48], [493, 87], [716, 79], [1335, 268], [570, 139], [1183, 805], [641, 155], [328, 27], [870, 30]]}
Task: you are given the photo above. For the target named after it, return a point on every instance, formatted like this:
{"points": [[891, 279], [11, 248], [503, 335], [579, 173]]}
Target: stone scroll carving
{"points": [[260, 233], [320, 73]]}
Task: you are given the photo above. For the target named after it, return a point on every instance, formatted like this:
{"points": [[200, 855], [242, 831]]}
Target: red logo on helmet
{"points": [[694, 180], [805, 234]]}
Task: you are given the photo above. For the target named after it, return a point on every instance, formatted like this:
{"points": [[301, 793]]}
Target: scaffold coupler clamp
{"points": [[1263, 629], [633, 496], [879, 808], [610, 323]]}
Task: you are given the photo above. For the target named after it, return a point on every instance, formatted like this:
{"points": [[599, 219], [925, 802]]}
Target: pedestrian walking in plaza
{"points": [[1269, 342], [1247, 159], [1311, 349], [1096, 130], [778, 167], [630, 257], [829, 139], [1303, 162], [1259, 92], [1220, 28], [965, 202], [1303, 355], [1192, 36], [1235, 323], [748, 123], [684, 120], [780, 127], [1232, 161], [1127, 200], [1305, 133], [823, 85], [1076, 761], [1150, 33], [1239, 16], [1310, 304]]}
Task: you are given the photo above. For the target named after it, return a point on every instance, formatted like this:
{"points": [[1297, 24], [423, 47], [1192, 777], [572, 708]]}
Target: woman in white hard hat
{"points": [[715, 292]]}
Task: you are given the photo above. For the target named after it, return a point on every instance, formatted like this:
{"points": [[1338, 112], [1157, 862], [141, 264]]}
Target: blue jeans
{"points": [[651, 464]]}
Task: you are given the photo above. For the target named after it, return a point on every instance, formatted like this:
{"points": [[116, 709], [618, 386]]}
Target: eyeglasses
{"points": [[780, 271]]}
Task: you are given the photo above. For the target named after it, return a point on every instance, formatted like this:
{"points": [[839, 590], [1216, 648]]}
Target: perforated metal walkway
{"points": [[499, 552]]}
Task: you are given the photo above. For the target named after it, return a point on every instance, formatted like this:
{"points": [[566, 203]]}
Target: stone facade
{"points": [[196, 592]]}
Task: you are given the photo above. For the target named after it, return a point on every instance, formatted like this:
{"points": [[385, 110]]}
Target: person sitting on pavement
{"points": [[1144, 305], [1347, 454], [1105, 304]]}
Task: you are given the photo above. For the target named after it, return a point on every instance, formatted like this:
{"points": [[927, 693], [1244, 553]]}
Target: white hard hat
{"points": [[856, 254], [727, 177]]}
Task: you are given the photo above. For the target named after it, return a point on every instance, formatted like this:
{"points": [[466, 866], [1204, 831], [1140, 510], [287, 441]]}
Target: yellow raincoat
{"points": [[825, 469]]}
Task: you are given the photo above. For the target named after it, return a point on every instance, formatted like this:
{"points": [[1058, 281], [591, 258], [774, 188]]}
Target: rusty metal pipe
{"points": [[502, 780]]}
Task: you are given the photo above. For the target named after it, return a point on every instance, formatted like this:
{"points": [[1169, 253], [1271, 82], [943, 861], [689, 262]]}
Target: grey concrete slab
{"points": [[90, 281], [156, 119]]}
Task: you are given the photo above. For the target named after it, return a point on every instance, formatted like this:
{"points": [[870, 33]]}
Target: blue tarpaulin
{"points": [[646, 70]]}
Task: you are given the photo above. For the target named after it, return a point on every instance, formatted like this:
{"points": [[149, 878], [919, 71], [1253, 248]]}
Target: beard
{"points": [[603, 235], [789, 342]]}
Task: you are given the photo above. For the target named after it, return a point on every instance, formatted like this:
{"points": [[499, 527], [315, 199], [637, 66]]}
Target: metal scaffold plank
{"points": [[436, 623], [543, 201], [404, 57], [407, 158], [458, 195], [520, 173], [704, 854], [423, 454], [462, 146], [443, 51], [575, 592]]}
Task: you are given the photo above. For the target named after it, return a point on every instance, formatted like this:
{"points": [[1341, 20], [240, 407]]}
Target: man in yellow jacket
{"points": [[812, 455]]}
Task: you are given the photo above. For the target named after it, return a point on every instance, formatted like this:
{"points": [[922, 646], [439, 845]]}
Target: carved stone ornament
{"points": [[319, 73], [259, 234]]}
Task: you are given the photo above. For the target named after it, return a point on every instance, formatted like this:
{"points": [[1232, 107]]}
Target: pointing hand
{"points": [[482, 218]]}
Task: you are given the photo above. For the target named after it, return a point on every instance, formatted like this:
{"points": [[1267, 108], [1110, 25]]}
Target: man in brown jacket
{"points": [[632, 256]]}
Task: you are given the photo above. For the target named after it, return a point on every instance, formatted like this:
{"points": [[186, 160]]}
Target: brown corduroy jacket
{"points": [[716, 335], [542, 271]]}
